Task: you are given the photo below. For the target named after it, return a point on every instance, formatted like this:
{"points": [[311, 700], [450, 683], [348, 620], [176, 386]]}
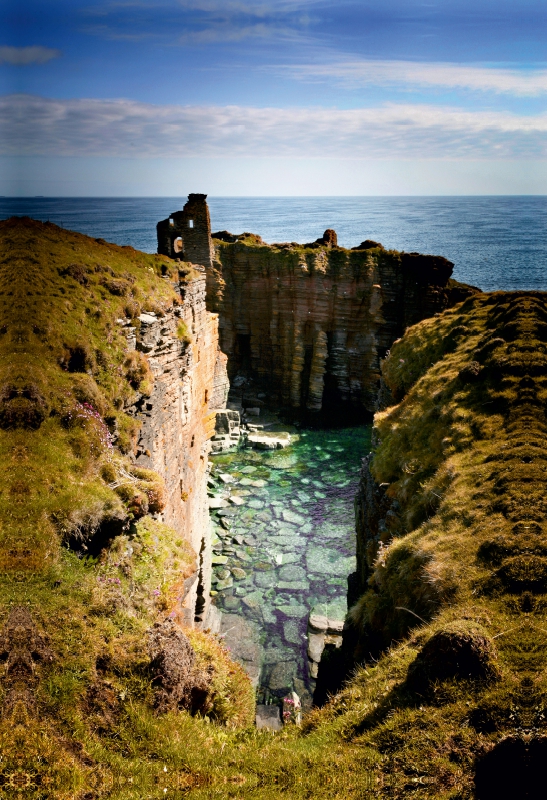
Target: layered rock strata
{"points": [[312, 323], [178, 420]]}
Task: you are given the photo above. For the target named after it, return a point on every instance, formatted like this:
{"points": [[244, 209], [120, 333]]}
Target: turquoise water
{"points": [[290, 544]]}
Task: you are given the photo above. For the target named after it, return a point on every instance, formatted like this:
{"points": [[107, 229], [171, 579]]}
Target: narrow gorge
{"points": [[304, 328], [209, 455]]}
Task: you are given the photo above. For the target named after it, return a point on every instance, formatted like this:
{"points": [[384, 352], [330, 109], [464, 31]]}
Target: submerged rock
{"points": [[292, 573], [242, 636], [258, 504], [238, 573], [295, 611], [282, 677], [268, 717], [227, 583], [292, 516], [292, 631]]}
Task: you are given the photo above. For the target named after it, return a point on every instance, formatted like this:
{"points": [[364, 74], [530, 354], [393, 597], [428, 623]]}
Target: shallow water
{"points": [[290, 545]]}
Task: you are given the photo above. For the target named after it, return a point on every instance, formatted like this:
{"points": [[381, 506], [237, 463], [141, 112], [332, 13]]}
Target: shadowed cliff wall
{"points": [[308, 322], [312, 324]]}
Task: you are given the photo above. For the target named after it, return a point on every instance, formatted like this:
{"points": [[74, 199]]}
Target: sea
{"points": [[495, 243]]}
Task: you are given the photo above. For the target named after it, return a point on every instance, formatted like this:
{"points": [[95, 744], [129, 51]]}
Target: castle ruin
{"points": [[186, 234]]}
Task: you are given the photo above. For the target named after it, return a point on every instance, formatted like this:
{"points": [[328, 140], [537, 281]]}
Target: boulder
{"points": [[265, 440], [217, 502], [316, 645], [318, 622]]}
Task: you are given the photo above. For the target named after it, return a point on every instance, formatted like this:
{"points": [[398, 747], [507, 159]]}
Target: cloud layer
{"points": [[31, 125], [21, 56], [410, 74]]}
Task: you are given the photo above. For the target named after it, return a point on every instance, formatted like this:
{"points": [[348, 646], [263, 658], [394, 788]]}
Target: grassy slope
{"points": [[463, 453], [65, 379]]}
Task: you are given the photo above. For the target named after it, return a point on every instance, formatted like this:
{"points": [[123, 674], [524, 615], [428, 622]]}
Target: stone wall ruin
{"points": [[186, 234]]}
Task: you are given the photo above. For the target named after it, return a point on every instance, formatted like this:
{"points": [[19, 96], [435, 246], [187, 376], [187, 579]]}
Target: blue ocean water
{"points": [[494, 242]]}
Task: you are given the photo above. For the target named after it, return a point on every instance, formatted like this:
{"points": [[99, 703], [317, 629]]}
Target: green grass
{"points": [[463, 451], [66, 380]]}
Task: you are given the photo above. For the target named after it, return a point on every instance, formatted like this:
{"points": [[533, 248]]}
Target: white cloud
{"points": [[125, 128], [409, 74], [21, 56]]}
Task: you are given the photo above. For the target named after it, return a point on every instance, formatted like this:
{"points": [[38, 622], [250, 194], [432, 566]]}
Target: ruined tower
{"points": [[186, 234]]}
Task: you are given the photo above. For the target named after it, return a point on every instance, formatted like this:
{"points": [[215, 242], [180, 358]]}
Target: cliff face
{"points": [[89, 564], [178, 420], [312, 322], [309, 322]]}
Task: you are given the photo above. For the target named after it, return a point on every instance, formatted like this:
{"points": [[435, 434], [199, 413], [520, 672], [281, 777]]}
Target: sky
{"points": [[290, 97]]}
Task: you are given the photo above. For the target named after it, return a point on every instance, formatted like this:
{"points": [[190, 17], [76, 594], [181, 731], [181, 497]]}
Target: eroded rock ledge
{"points": [[190, 388]]}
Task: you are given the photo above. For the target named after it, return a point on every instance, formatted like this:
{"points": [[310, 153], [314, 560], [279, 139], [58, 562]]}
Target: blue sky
{"points": [[289, 97]]}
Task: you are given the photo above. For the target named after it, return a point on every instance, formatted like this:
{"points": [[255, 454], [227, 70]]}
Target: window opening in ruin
{"points": [[171, 221], [200, 598], [192, 442], [206, 395], [190, 223], [177, 245]]}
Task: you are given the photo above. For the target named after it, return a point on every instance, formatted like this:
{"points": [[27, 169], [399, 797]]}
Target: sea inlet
{"points": [[283, 547]]}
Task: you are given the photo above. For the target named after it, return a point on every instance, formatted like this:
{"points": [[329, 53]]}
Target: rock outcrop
{"points": [[312, 323], [178, 419], [309, 322], [178, 682]]}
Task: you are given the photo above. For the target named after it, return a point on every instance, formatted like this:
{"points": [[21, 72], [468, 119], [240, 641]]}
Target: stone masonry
{"points": [[186, 234]]}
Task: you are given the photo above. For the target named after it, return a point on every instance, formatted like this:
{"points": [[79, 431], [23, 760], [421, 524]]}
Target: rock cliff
{"points": [[109, 365], [311, 323], [178, 419]]}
